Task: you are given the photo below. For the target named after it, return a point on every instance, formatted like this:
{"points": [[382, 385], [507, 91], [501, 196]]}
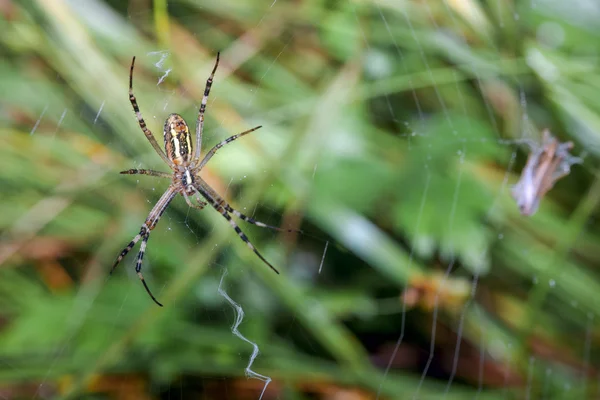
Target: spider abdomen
{"points": [[178, 144]]}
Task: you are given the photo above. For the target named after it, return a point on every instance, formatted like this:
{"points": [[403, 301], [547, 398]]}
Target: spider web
{"points": [[449, 238], [551, 35]]}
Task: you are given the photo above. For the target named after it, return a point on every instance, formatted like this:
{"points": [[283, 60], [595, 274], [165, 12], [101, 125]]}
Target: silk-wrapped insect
{"points": [[545, 165]]}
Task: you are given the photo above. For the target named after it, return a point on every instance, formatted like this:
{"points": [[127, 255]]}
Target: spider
{"points": [[185, 162]]}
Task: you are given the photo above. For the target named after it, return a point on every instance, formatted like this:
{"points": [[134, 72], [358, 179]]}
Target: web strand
{"points": [[239, 316]]}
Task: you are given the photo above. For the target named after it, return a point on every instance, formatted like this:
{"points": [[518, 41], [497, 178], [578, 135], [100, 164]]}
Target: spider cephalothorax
{"points": [[183, 157]]}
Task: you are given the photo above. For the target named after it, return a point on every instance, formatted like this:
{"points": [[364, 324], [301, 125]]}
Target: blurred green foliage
{"points": [[392, 133]]}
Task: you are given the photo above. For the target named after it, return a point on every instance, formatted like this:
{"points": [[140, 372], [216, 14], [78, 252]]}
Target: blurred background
{"points": [[393, 132]]}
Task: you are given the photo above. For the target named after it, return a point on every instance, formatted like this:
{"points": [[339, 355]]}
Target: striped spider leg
{"points": [[147, 226], [185, 164], [219, 204]]}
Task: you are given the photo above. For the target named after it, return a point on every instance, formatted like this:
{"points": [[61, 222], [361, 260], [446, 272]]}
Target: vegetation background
{"points": [[393, 131]]}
